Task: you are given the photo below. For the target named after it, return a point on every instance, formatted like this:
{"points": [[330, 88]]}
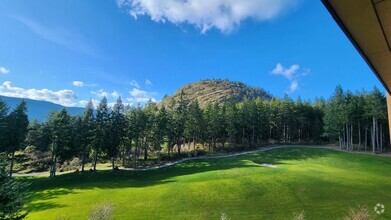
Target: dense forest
{"points": [[152, 134]]}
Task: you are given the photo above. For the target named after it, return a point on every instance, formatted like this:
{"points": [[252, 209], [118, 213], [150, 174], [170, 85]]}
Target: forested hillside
{"points": [[156, 133], [216, 91]]}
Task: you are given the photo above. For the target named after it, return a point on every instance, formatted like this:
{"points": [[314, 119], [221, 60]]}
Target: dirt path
{"points": [[206, 157], [223, 156]]}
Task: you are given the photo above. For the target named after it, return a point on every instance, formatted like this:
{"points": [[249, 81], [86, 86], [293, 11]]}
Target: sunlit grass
{"points": [[323, 183]]}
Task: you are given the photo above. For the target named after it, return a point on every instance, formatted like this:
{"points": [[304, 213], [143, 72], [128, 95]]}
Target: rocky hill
{"points": [[216, 91]]}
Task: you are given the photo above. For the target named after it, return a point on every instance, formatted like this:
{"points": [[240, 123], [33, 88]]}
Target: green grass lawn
{"points": [[323, 183]]}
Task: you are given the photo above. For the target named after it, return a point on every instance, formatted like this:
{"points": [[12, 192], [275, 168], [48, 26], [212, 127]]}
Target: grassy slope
{"points": [[324, 183]]}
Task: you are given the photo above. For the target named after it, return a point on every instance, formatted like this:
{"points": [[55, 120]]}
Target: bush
{"points": [[75, 162], [101, 212], [359, 213], [223, 216], [299, 216]]}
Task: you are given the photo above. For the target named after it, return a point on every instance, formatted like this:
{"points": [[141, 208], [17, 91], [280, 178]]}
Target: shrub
{"points": [[299, 216], [359, 213], [75, 162], [102, 211], [223, 216]]}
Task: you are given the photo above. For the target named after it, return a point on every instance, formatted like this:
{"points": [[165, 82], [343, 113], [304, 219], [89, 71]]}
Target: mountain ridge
{"points": [[39, 109], [210, 91]]}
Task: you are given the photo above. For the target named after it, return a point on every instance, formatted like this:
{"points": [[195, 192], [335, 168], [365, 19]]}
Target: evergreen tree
{"points": [[194, 123], [162, 124], [87, 131], [335, 117], [17, 124], [3, 126], [180, 120], [116, 130], [101, 134], [61, 138], [12, 196]]}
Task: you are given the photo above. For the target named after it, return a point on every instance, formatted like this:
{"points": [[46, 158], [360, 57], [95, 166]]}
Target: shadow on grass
{"points": [[46, 189]]}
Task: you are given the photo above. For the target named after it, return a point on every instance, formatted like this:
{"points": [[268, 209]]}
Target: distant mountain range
{"points": [[205, 91], [216, 91], [40, 109]]}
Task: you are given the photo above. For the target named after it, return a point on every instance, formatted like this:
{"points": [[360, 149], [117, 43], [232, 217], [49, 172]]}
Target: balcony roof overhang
{"points": [[367, 24]]}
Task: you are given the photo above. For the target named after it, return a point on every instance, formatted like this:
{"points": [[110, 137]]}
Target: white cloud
{"points": [[293, 74], [134, 83], [4, 70], [115, 94], [102, 93], [78, 83], [138, 95], [224, 15], [293, 86], [289, 73], [148, 82], [96, 102], [82, 84], [83, 103], [62, 97]]}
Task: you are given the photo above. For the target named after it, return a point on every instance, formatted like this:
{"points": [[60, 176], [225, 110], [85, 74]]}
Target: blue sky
{"points": [[70, 51]]}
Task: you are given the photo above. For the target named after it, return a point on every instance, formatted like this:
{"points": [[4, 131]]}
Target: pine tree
{"points": [[180, 120], [162, 124], [3, 126], [116, 131], [17, 123], [60, 124], [88, 125], [101, 134], [12, 195]]}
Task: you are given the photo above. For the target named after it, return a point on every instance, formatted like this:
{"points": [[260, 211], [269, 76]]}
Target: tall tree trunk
{"points": [[340, 142], [169, 149], [145, 150], [381, 139], [366, 139], [159, 147], [377, 136], [351, 137], [194, 143], [53, 167], [359, 136], [83, 159], [243, 136], [230, 142], [135, 153], [348, 138], [12, 162], [373, 135], [95, 159], [253, 137], [179, 147], [112, 163], [124, 156]]}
